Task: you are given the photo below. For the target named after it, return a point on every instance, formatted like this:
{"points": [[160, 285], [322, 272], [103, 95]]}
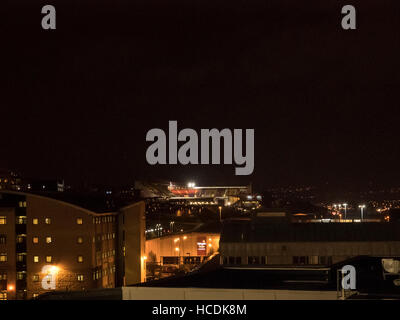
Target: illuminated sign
{"points": [[201, 246]]}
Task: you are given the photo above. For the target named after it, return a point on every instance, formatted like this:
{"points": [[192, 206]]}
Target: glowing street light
{"points": [[362, 207]]}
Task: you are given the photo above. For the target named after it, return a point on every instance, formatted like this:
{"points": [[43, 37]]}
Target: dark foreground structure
{"points": [[373, 282]]}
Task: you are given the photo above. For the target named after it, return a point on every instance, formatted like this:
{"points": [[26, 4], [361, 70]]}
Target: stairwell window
{"points": [[3, 257]]}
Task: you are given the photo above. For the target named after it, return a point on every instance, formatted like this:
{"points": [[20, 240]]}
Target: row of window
{"points": [[22, 220], [104, 236], [48, 221], [106, 254], [36, 277], [296, 260], [49, 259], [105, 219], [103, 273], [35, 239]]}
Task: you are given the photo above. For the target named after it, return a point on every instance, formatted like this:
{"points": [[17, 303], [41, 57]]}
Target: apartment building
{"points": [[50, 244]]}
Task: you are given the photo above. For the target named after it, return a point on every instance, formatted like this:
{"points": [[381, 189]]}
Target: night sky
{"points": [[77, 102]]}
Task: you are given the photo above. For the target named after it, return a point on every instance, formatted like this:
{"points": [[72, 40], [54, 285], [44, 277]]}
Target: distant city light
{"points": [[191, 185]]}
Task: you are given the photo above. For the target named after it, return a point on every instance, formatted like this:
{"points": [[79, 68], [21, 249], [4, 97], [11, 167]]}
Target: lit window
{"points": [[48, 239], [3, 220], [47, 220], [21, 275], [21, 257], [35, 278], [21, 220], [21, 238], [35, 221], [36, 259], [49, 259], [3, 275], [79, 240], [22, 204], [80, 259], [34, 295], [3, 257], [80, 277], [79, 221], [35, 239]]}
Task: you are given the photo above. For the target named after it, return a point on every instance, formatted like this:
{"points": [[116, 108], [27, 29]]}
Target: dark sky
{"points": [[77, 102]]}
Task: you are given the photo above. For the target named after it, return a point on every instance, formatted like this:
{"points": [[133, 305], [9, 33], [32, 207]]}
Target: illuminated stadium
{"points": [[195, 195]]}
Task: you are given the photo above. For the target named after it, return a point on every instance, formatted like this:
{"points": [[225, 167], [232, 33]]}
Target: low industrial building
{"points": [[274, 239], [182, 249]]}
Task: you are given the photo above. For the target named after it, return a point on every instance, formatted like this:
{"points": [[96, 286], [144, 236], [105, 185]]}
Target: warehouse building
{"points": [[275, 240]]}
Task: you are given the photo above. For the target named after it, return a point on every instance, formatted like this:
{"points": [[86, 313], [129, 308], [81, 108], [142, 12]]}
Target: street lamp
{"points": [[220, 213], [362, 207], [345, 210]]}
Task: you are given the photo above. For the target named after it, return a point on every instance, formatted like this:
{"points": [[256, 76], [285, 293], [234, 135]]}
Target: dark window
{"points": [[300, 260], [3, 239], [325, 260], [170, 260], [231, 260], [254, 260], [238, 260]]}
